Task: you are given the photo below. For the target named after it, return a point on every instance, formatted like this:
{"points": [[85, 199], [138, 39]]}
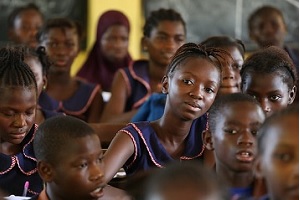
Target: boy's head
{"points": [[270, 76], [24, 23], [184, 181], [69, 156], [234, 120], [278, 154], [61, 38], [266, 27]]}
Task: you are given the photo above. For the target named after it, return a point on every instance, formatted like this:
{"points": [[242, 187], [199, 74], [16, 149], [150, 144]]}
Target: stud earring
{"points": [[44, 87]]}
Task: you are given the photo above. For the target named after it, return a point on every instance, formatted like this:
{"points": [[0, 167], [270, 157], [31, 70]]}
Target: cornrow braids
{"points": [[224, 41], [16, 12], [161, 15], [213, 55], [40, 54], [260, 11], [270, 60], [14, 72]]}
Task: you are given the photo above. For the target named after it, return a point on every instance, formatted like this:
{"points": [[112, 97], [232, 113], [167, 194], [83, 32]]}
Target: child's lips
{"points": [[245, 156], [98, 192]]}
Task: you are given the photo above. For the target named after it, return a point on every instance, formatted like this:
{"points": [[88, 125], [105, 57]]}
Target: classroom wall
{"points": [[131, 8]]}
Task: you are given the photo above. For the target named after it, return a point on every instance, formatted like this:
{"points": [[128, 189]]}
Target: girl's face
{"points": [[36, 67], [279, 163], [17, 113], [80, 166], [62, 47], [231, 78], [269, 89], [268, 29], [234, 139], [114, 43], [192, 88], [163, 42], [26, 26]]}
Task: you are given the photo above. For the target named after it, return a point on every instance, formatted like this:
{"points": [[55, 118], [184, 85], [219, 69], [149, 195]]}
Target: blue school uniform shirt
{"points": [[149, 152], [77, 105], [15, 170]]}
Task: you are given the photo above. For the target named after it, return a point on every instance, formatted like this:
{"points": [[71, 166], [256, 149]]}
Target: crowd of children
{"points": [[196, 120]]}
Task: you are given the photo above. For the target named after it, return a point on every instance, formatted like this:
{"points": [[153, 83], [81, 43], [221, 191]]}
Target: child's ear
{"points": [[45, 170], [144, 43], [207, 140], [45, 82], [292, 94], [165, 85]]}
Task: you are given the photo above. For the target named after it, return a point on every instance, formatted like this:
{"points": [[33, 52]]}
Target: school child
{"points": [[64, 93], [231, 79], [153, 108], [270, 76], [39, 64], [278, 161], [70, 161], [184, 181], [234, 120], [164, 33], [18, 101], [267, 27], [110, 50], [191, 84], [23, 24]]}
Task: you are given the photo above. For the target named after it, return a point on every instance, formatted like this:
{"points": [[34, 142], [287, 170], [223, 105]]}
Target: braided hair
{"points": [[161, 15], [14, 72]]}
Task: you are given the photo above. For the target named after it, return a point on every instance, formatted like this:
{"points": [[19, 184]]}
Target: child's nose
{"points": [[196, 93], [20, 120], [96, 172], [246, 138], [227, 72], [265, 105]]}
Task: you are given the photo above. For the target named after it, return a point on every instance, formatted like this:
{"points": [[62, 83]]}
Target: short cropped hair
{"points": [[224, 101], [53, 134]]}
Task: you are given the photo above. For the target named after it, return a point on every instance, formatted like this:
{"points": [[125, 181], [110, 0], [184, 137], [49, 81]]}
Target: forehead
{"points": [[18, 96], [29, 13], [116, 29], [61, 32], [268, 16], [169, 28]]}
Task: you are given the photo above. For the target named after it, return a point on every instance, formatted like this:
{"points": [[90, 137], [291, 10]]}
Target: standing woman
{"points": [[110, 51]]}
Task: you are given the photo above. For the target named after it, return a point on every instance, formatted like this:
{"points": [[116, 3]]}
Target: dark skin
{"points": [[62, 47], [191, 90], [163, 42]]}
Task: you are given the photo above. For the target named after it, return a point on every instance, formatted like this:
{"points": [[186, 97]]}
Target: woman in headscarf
{"points": [[110, 51]]}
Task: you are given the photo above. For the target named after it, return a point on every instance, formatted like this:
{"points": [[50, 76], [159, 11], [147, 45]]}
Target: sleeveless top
{"points": [[77, 105], [137, 81], [15, 170], [149, 152]]}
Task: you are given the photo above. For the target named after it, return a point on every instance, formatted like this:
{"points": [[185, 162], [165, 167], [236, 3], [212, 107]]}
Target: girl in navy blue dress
{"points": [[18, 102], [191, 83]]}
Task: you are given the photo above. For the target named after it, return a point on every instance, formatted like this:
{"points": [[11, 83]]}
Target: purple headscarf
{"points": [[97, 69]]}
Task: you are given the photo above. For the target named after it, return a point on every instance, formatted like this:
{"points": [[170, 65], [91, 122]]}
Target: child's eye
{"points": [[52, 44], [8, 114], [285, 157], [231, 131], [82, 165], [209, 90], [275, 98], [254, 132], [100, 159], [186, 81]]}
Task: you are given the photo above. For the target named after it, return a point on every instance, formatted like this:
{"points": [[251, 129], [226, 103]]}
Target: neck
{"points": [[59, 78], [8, 148], [233, 178], [156, 71]]}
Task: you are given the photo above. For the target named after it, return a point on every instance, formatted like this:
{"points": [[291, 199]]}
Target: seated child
{"points": [[271, 78], [184, 181], [278, 161], [234, 121], [18, 102], [191, 83], [70, 161], [61, 38]]}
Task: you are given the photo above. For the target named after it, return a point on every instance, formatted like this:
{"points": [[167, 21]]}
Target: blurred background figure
{"points": [[24, 23], [110, 51]]}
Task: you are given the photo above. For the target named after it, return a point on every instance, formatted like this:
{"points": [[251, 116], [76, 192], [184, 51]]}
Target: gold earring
{"points": [[44, 87]]}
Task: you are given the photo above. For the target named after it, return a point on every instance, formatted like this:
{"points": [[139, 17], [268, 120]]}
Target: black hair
{"points": [[14, 72], [62, 23], [40, 54], [17, 11], [53, 134], [260, 11], [224, 101], [180, 174], [161, 15], [292, 110], [188, 50], [270, 60], [224, 41]]}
